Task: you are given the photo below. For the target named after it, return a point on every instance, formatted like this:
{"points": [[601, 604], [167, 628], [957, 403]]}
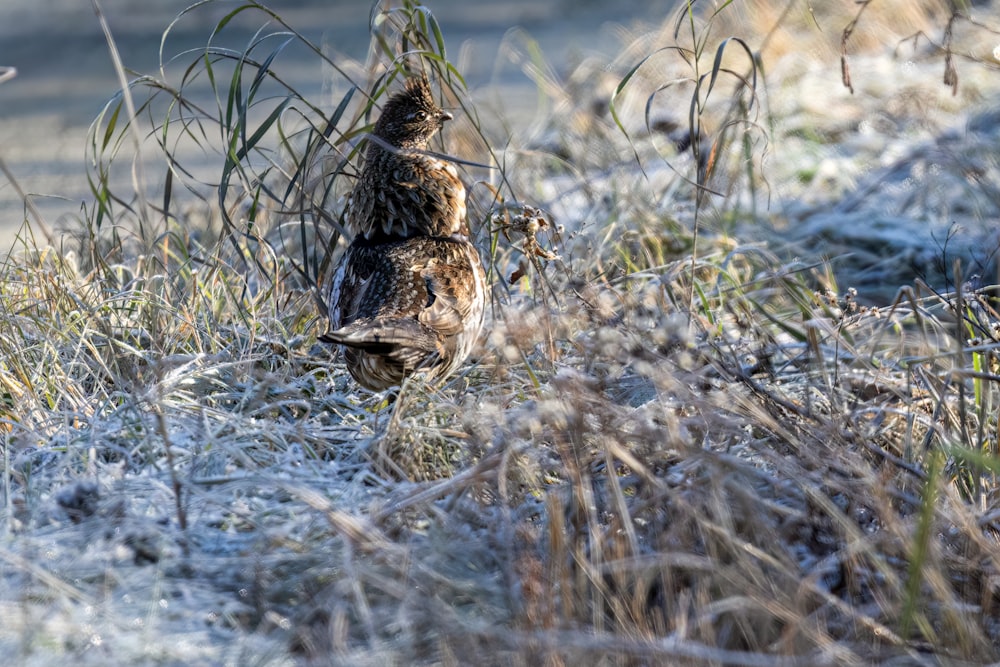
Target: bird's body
{"points": [[409, 292]]}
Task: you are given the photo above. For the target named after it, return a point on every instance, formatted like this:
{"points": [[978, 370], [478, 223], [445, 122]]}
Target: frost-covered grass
{"points": [[676, 443]]}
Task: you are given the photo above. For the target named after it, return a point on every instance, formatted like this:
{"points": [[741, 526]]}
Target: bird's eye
{"points": [[419, 116]]}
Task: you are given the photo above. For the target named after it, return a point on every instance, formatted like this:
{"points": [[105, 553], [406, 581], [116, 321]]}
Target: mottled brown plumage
{"points": [[409, 293], [402, 191]]}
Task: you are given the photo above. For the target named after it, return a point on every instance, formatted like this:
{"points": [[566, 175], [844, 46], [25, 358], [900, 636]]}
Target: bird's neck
{"points": [[380, 146]]}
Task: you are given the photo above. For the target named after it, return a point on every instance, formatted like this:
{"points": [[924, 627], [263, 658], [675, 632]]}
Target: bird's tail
{"points": [[389, 337]]}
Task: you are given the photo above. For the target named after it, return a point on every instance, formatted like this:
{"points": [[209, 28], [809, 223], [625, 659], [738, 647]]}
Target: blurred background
{"points": [[65, 74]]}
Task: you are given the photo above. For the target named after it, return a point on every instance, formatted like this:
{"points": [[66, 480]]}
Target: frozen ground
{"points": [[189, 481]]}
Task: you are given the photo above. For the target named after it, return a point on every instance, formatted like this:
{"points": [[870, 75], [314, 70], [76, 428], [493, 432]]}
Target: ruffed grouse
{"points": [[409, 292]]}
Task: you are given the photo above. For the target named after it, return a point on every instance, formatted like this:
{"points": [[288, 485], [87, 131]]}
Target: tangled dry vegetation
{"points": [[673, 447]]}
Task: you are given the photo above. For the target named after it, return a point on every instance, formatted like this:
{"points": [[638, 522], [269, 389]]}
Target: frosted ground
{"points": [[666, 458]]}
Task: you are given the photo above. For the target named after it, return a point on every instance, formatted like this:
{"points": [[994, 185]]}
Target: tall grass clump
{"points": [[674, 445]]}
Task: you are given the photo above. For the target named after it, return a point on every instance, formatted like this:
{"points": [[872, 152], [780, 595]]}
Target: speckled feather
{"points": [[410, 291], [404, 305]]}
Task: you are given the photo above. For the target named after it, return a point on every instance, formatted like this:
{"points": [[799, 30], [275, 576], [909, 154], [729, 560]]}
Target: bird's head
{"points": [[411, 117]]}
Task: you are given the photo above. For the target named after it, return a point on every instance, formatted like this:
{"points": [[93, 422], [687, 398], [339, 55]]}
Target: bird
{"points": [[409, 292]]}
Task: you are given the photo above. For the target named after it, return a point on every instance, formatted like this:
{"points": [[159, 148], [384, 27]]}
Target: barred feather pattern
{"points": [[408, 305]]}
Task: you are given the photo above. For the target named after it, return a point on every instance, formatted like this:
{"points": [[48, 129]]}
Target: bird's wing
{"points": [[417, 292], [380, 296], [350, 285], [447, 275]]}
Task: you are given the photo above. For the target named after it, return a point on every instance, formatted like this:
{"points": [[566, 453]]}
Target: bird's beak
{"points": [[445, 116]]}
